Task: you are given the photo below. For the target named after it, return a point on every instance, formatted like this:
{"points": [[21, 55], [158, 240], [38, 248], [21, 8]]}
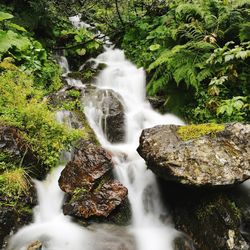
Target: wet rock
{"points": [[7, 221], [88, 165], [17, 150], [183, 243], [100, 202], [208, 217], [217, 158], [156, 102], [15, 212], [112, 115], [88, 181], [64, 96]]}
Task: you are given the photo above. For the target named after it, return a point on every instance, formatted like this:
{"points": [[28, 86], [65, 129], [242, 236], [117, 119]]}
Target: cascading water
{"points": [[149, 223], [148, 212]]}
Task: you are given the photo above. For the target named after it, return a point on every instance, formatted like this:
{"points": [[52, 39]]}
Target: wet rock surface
{"points": [[18, 150], [88, 165], [100, 202], [216, 159], [88, 181], [209, 217], [15, 213], [112, 111]]}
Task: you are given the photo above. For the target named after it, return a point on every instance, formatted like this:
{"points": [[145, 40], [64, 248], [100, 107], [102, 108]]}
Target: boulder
{"points": [[17, 149], [112, 116], [198, 155], [89, 183], [88, 165], [207, 216], [100, 202]]}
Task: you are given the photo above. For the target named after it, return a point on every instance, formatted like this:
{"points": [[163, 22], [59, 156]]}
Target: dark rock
{"points": [[88, 181], [122, 215], [215, 159], [88, 165], [19, 151], [99, 202], [208, 217], [112, 117], [240, 196], [183, 243], [8, 219], [156, 102], [15, 212]]}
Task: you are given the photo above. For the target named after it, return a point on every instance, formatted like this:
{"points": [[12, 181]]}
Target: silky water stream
{"points": [[149, 229]]}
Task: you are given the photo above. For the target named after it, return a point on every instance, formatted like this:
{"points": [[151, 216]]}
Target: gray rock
{"points": [[215, 159], [112, 115]]}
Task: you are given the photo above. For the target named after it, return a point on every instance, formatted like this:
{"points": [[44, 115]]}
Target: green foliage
{"points": [[74, 93], [80, 42], [200, 47], [190, 132], [27, 53], [14, 183], [21, 105]]}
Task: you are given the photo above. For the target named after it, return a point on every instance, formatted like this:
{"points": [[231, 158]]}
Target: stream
{"points": [[151, 226]]}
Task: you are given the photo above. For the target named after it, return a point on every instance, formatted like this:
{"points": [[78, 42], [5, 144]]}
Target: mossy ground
{"points": [[193, 131]]}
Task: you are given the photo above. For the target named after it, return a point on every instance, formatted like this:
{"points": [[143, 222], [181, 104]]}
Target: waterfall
{"points": [[124, 78], [150, 227]]}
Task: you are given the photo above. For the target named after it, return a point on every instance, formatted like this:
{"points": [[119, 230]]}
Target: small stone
{"points": [[37, 245]]}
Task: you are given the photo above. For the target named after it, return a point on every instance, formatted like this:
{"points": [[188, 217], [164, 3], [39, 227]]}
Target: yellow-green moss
{"points": [[195, 131], [14, 182]]}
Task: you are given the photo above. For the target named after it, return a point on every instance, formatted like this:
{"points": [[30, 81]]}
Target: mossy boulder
{"points": [[201, 155]]}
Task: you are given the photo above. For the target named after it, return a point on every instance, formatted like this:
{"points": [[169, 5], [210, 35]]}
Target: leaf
{"points": [[5, 16], [10, 39], [229, 58], [81, 52], [17, 27], [4, 42], [154, 47]]}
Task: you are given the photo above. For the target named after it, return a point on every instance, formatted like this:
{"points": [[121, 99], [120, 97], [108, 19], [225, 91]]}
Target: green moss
{"points": [[190, 132], [14, 183]]}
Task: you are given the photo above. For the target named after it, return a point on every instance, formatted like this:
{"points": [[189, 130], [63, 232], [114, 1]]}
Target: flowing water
{"points": [[150, 226], [148, 212]]}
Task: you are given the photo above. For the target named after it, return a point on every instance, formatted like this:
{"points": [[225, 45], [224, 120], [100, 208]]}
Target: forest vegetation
{"points": [[196, 54]]}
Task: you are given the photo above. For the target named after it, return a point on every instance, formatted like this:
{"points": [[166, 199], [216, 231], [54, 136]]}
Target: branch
{"points": [[81, 44], [118, 12]]}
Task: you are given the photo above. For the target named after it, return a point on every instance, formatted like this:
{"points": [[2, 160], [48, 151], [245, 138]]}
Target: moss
{"points": [[190, 132], [14, 182]]}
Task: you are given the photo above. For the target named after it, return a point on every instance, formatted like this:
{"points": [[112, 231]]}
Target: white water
{"points": [[150, 225], [148, 211]]}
